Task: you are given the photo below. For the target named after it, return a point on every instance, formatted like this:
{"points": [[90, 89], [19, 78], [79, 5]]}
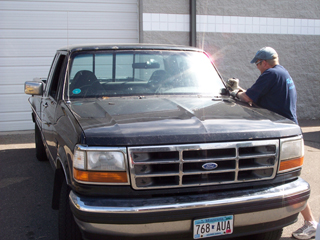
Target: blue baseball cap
{"points": [[265, 53]]}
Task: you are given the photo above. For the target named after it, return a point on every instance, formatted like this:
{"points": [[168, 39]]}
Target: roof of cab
{"points": [[136, 46]]}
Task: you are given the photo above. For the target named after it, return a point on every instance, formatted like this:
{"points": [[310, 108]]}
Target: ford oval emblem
{"points": [[209, 166]]}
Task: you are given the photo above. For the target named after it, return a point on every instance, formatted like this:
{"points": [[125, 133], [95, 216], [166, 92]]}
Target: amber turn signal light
{"points": [[101, 177], [289, 164]]}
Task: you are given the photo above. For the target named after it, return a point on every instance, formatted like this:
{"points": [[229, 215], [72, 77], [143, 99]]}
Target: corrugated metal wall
{"points": [[31, 32]]}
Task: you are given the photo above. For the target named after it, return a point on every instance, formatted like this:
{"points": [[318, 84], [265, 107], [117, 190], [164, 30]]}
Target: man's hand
{"points": [[235, 92], [233, 87], [233, 84]]}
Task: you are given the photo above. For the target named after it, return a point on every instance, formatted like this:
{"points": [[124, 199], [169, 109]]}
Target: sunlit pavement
{"points": [[310, 171]]}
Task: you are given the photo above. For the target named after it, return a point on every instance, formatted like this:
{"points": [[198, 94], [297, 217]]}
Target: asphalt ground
{"points": [[26, 186]]}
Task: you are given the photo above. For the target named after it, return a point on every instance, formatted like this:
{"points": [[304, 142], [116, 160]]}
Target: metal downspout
{"points": [[193, 23]]}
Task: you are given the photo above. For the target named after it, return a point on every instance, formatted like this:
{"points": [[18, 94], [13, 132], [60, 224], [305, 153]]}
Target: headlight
{"points": [[105, 161], [291, 154], [100, 165]]}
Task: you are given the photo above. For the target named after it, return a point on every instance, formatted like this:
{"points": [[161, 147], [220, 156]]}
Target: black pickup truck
{"points": [[146, 143]]}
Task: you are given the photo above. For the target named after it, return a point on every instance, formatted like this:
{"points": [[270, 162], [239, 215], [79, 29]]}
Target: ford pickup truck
{"points": [[147, 143]]}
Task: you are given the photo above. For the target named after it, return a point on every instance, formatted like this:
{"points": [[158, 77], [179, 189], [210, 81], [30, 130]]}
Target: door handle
{"points": [[45, 105]]}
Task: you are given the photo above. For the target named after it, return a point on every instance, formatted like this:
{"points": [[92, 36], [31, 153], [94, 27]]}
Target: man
{"points": [[275, 90]]}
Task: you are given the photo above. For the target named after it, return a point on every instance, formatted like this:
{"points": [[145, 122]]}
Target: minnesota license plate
{"points": [[210, 227]]}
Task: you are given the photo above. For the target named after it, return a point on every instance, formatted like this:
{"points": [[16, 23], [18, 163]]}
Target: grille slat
{"points": [[199, 172], [177, 166], [158, 175], [256, 155], [209, 159]]}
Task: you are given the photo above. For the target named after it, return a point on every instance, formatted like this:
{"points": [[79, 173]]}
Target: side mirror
{"points": [[33, 88]]}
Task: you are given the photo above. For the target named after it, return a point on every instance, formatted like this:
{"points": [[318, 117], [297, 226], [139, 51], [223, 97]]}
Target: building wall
{"points": [[232, 31], [165, 21], [32, 31]]}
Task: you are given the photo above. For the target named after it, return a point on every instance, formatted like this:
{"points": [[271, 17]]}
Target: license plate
{"points": [[211, 227]]}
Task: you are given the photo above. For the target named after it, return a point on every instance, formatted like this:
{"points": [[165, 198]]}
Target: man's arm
{"points": [[237, 91], [244, 97]]}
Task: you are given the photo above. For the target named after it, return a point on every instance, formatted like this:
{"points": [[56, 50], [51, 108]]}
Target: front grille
{"points": [[174, 166]]}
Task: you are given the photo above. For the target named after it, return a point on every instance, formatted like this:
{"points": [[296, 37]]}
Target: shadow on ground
{"points": [[26, 190]]}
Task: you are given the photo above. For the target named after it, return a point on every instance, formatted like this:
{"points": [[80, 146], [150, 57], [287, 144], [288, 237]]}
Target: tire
{"points": [[40, 150], [273, 235], [68, 228]]}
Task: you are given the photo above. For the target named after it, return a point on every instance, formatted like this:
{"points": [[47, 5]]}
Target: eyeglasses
{"points": [[259, 62]]}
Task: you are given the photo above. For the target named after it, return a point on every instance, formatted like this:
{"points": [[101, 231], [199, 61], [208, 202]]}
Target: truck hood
{"points": [[175, 120]]}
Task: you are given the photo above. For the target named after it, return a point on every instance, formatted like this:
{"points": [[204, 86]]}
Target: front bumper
{"points": [[255, 210]]}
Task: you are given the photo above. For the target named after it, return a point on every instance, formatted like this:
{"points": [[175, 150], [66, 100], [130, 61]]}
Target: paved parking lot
{"points": [[310, 171], [26, 186]]}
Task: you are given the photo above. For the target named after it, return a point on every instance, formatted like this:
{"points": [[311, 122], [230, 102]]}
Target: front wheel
{"points": [[68, 228]]}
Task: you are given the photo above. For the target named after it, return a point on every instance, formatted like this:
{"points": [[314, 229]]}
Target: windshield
{"points": [[136, 73]]}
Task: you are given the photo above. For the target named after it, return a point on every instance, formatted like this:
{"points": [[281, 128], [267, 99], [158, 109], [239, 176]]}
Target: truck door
{"points": [[49, 103]]}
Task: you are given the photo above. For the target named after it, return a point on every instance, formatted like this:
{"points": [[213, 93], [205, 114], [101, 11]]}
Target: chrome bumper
{"points": [[249, 208]]}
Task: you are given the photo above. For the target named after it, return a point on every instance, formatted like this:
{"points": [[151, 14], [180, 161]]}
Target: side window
{"points": [[53, 90], [51, 71]]}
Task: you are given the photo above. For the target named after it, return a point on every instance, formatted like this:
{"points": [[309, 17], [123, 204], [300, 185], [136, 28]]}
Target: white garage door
{"points": [[31, 32]]}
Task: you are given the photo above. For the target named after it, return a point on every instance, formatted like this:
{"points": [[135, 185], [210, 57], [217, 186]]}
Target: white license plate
{"points": [[211, 227]]}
